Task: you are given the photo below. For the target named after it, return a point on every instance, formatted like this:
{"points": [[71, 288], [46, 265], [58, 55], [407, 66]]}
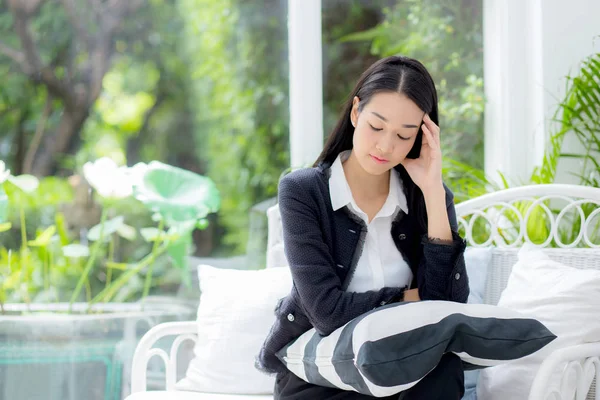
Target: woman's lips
{"points": [[379, 160]]}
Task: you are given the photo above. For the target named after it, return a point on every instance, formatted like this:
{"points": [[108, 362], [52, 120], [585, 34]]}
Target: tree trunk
{"points": [[60, 142], [19, 143], [77, 96]]}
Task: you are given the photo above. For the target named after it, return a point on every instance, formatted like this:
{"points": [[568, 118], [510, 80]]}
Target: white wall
{"points": [[529, 47]]}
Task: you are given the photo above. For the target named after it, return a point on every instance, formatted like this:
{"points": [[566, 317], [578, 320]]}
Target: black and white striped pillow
{"points": [[391, 348]]}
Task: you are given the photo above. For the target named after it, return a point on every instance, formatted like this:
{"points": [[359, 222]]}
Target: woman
{"points": [[370, 224]]}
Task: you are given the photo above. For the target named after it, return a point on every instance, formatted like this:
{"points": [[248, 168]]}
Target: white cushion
{"points": [[477, 261], [565, 299], [275, 251], [161, 395], [235, 315]]}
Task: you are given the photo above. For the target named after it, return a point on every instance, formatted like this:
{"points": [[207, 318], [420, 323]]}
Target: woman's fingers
{"points": [[428, 137], [433, 128]]}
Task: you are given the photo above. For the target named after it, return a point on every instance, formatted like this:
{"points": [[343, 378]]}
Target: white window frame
{"points": [[514, 137], [306, 81]]}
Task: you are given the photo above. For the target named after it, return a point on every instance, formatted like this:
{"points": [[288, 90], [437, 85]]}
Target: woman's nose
{"points": [[385, 145]]}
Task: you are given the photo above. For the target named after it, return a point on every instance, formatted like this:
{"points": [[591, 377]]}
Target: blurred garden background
{"points": [[202, 85], [139, 138]]}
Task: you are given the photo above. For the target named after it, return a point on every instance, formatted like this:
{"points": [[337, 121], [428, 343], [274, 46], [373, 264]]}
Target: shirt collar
{"points": [[341, 195], [339, 191]]}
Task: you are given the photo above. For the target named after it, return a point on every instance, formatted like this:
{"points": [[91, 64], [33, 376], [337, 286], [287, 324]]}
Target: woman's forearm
{"points": [[438, 226]]}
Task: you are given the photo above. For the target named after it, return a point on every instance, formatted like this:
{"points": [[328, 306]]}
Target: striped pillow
{"points": [[391, 348]]}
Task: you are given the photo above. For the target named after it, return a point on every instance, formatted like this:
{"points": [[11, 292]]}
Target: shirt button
{"points": [[457, 276], [290, 317]]}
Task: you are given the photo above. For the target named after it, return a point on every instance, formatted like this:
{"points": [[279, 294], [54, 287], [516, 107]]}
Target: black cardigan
{"points": [[323, 247]]}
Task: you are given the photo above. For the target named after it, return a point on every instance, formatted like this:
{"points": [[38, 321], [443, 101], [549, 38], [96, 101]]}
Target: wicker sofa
{"points": [[496, 208]]}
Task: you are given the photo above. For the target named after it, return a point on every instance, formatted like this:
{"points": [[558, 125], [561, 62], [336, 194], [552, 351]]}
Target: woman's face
{"points": [[385, 130]]}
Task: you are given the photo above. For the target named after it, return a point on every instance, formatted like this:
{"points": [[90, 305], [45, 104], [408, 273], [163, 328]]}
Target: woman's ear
{"points": [[354, 111]]}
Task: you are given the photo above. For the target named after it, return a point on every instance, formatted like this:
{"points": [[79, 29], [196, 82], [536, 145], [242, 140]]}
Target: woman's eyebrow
{"points": [[385, 120]]}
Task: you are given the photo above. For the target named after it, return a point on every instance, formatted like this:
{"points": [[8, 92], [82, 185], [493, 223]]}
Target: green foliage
{"points": [[239, 71], [214, 72], [577, 114], [21, 101], [145, 96], [344, 61], [40, 206], [447, 38], [56, 264]]}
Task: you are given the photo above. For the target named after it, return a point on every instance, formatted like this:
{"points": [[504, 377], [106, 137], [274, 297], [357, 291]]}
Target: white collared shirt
{"points": [[381, 264]]}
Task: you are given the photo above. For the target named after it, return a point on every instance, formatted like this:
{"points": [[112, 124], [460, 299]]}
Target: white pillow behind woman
{"points": [[563, 298]]}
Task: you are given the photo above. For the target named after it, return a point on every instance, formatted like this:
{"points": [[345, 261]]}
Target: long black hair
{"points": [[392, 74]]}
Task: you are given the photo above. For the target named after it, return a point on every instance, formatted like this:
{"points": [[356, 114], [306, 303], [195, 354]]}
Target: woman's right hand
{"points": [[412, 295]]}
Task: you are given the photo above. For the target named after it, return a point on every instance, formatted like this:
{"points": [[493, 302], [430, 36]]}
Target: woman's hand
{"points": [[412, 295], [426, 171]]}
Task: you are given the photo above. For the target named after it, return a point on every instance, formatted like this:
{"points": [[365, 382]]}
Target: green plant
{"points": [[54, 266], [577, 114], [239, 79]]}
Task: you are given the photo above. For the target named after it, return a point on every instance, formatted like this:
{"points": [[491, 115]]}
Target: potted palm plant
{"points": [[71, 312]]}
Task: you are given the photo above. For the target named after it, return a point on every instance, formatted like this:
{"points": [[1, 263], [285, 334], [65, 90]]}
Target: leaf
{"points": [[363, 36], [177, 194], [127, 232], [44, 238], [76, 251], [504, 180], [202, 224], [150, 234], [111, 226], [116, 265], [578, 113], [61, 227], [27, 183], [5, 226]]}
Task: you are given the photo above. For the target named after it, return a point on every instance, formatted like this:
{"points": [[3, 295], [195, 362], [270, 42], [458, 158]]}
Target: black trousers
{"points": [[445, 382]]}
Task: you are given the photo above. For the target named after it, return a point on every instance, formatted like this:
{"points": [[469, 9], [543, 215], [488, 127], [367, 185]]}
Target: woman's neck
{"points": [[362, 184]]}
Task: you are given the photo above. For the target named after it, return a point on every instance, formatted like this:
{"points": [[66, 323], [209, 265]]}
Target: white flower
{"points": [[4, 173], [107, 178], [136, 173]]}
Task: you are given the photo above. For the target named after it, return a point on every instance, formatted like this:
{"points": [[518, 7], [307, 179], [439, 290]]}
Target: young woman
{"points": [[370, 224]]}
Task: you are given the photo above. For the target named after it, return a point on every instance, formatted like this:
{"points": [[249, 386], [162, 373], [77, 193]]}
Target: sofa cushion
{"points": [[477, 260], [234, 318], [563, 298]]}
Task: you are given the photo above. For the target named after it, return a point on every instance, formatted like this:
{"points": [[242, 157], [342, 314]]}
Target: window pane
{"points": [[446, 36], [201, 85]]}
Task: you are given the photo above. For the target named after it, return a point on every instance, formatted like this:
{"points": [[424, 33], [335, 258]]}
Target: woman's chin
{"points": [[374, 168]]}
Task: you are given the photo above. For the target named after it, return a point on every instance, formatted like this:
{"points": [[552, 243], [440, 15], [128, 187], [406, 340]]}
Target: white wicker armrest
{"points": [[144, 351], [582, 360]]}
